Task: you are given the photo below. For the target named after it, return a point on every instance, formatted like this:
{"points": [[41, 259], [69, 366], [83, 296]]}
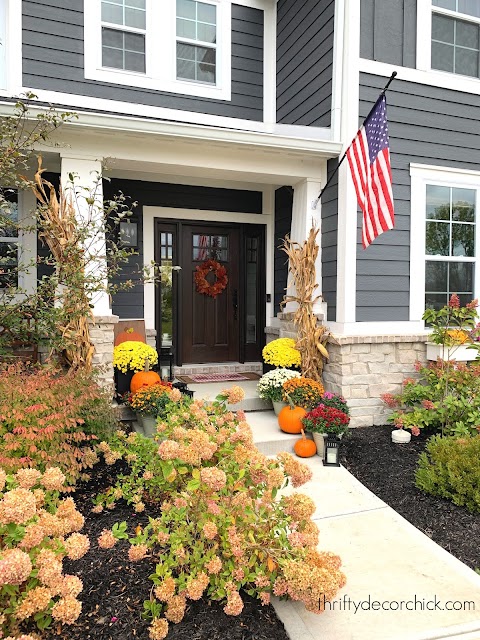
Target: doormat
{"points": [[217, 377]]}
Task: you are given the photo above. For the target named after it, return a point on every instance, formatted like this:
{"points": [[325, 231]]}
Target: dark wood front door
{"points": [[210, 326]]}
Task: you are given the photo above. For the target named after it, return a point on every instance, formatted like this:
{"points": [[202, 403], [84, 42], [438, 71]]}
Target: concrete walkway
{"points": [[400, 584]]}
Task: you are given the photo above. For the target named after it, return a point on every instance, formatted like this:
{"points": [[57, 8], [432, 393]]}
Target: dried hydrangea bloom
{"points": [[35, 600], [15, 567], [3, 479], [299, 506], [106, 539], [71, 586], [234, 395], [213, 477], [176, 609], [264, 597], [158, 629], [27, 478], [137, 552], [298, 472], [214, 565], [165, 590], [210, 530], [196, 586], [77, 546], [234, 604], [17, 506], [34, 534], [67, 610], [53, 479]]}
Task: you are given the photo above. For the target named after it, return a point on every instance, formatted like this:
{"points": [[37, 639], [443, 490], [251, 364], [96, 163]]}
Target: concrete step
{"points": [[251, 402], [267, 435]]}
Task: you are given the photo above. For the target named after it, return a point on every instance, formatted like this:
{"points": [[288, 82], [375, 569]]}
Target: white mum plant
{"points": [[270, 384]]}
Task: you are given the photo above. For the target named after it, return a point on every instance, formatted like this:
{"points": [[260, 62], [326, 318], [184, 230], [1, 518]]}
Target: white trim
{"points": [[421, 175], [347, 201], [392, 328], [270, 65], [151, 120], [337, 79], [160, 56], [433, 78], [268, 208], [424, 34], [149, 215], [13, 48], [27, 279]]}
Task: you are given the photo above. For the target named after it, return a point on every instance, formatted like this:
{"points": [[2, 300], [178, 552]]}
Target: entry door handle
{"points": [[235, 303]]}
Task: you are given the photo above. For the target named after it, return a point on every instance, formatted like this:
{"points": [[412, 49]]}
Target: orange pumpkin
{"points": [[143, 379], [290, 419], [305, 448], [128, 334]]}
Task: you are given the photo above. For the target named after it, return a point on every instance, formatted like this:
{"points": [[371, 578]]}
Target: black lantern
{"points": [[165, 363], [332, 450]]}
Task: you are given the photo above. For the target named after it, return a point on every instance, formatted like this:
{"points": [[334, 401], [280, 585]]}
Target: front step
{"points": [[267, 435], [219, 367], [251, 402]]}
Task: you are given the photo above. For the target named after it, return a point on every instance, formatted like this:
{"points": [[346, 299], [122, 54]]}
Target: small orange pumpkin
{"points": [[290, 419], [305, 448], [144, 378], [128, 334]]}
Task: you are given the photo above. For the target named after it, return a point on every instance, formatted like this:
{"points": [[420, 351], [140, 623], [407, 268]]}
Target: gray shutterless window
{"points": [[123, 34], [196, 41], [449, 245], [456, 41]]}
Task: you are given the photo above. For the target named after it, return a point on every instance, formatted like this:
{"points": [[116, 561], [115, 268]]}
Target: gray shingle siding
{"points": [[388, 31], [53, 46], [304, 62], [328, 241], [427, 125]]}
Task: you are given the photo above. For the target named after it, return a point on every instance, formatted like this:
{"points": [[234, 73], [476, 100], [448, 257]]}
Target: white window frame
{"points": [[425, 9], [160, 52], [11, 51], [421, 176]]}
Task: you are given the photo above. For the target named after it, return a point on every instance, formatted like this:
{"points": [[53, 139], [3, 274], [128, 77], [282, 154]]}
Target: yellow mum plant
{"points": [[131, 356], [282, 353]]}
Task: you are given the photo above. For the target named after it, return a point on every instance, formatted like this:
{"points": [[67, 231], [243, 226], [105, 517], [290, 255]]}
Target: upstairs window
{"points": [[196, 41], [180, 46], [456, 37], [123, 34]]}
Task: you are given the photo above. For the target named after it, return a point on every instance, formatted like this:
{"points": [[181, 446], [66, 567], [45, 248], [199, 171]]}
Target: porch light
{"points": [[332, 451]]}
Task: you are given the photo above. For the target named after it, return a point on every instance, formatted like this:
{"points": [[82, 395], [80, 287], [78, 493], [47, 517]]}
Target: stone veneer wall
{"points": [[361, 368], [101, 335]]}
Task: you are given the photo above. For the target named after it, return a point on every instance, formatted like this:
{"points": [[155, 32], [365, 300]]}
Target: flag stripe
{"points": [[369, 160]]}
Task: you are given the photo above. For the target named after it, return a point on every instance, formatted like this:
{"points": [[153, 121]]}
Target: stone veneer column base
{"points": [[362, 368], [101, 335]]}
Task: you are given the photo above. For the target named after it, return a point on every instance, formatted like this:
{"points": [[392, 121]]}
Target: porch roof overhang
{"points": [[282, 155]]}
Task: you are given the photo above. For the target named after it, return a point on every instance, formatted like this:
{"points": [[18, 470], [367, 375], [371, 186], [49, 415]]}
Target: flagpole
{"points": [[384, 90]]}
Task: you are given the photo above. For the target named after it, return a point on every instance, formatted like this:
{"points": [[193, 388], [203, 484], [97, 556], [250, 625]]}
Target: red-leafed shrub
{"points": [[49, 418]]}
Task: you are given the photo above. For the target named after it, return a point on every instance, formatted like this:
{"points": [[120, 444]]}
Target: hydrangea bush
{"points": [[222, 525], [270, 385], [38, 530]]}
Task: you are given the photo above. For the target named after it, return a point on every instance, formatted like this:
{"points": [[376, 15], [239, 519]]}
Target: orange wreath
{"points": [[201, 282]]}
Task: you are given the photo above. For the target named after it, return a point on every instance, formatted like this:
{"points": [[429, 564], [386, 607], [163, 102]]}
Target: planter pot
{"points": [[149, 424], [460, 353], [122, 382], [278, 406], [319, 439], [138, 424], [400, 436]]}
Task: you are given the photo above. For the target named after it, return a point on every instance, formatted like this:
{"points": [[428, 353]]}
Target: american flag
{"points": [[369, 160]]}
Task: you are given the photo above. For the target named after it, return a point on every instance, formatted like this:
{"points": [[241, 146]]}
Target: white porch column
{"points": [[87, 172], [303, 217]]}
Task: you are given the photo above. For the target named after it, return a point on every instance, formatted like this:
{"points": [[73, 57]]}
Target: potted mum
{"points": [[270, 386], [325, 421], [151, 403], [129, 357], [302, 392], [282, 353]]}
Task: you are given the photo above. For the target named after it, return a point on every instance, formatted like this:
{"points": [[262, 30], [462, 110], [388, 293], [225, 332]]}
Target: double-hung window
{"points": [[445, 239], [178, 46], [456, 37]]}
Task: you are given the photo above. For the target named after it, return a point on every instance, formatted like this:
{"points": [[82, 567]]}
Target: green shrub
{"points": [[445, 398], [450, 468], [49, 418], [221, 526]]}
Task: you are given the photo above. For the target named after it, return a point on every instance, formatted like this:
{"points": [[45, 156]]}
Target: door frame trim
{"points": [[214, 218]]}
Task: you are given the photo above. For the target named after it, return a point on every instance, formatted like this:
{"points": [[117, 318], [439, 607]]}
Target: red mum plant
{"points": [[325, 419]]}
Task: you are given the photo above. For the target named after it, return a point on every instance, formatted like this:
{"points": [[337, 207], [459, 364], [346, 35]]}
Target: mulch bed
{"points": [[114, 588], [388, 470]]}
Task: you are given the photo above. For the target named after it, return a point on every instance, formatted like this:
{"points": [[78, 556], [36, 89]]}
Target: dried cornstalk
{"points": [[59, 230], [311, 337]]}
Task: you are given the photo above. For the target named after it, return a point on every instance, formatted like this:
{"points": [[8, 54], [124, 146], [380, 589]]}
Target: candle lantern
{"points": [[332, 450], [165, 363]]}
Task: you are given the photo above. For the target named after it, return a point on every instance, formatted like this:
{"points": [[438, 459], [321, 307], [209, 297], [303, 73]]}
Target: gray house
{"points": [[224, 118]]}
